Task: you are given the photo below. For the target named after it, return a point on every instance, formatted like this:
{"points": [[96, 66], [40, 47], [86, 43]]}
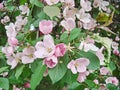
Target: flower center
{"points": [[49, 50]]}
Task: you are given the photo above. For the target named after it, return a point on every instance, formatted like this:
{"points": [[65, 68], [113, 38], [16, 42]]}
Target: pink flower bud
{"points": [[12, 41], [51, 62], [116, 52], [96, 81], [1, 5], [27, 85]]}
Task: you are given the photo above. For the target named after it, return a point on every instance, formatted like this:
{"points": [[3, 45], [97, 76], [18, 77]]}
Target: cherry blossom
{"points": [[101, 4], [82, 76], [46, 26], [69, 3], [83, 17], [13, 60], [86, 5], [104, 71], [112, 80], [24, 9], [68, 24], [11, 32], [28, 55], [78, 65], [12, 41], [8, 50], [45, 48]]}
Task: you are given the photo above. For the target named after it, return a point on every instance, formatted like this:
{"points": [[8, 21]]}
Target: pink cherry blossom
{"points": [[1, 5], [68, 24], [87, 46], [11, 32], [12, 41], [20, 22], [51, 61], [24, 9], [104, 71], [112, 80], [52, 2], [82, 76], [8, 50], [28, 55], [69, 12], [46, 26], [60, 50], [90, 25], [78, 65], [13, 60], [86, 5], [101, 4], [83, 17], [69, 3], [100, 55], [45, 48]]}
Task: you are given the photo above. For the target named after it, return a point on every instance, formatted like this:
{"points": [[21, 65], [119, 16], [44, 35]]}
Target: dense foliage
{"points": [[60, 45]]}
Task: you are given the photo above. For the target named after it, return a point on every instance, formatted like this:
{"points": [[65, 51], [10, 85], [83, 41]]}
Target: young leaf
{"points": [[4, 83], [37, 75], [51, 11]]}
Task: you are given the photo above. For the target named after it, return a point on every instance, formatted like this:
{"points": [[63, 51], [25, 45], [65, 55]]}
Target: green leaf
{"points": [[73, 86], [64, 37], [59, 71], [94, 60], [2, 69], [51, 11], [70, 77], [19, 71], [112, 87], [4, 83], [74, 34], [112, 66], [90, 83], [37, 3], [23, 2], [37, 75]]}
